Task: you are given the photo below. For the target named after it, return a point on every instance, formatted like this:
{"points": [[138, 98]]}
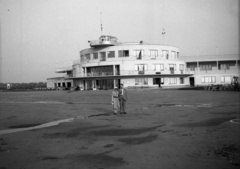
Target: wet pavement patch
{"points": [[72, 133], [24, 125], [206, 123], [103, 114], [96, 160], [50, 158], [108, 145], [123, 132], [138, 140]]}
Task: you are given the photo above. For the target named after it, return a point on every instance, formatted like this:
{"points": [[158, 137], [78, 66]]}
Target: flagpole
{"points": [[163, 33]]}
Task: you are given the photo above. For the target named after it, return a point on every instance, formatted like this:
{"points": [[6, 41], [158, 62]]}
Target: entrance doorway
{"points": [[157, 81], [191, 81]]}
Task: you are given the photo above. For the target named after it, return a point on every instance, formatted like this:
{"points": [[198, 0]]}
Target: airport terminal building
{"points": [[108, 63]]}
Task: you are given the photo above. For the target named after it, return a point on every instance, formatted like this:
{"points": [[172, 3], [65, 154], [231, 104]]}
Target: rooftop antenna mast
{"points": [[163, 33], [101, 22]]}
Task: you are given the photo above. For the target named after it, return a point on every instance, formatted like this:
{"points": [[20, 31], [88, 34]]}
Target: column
{"points": [[197, 67], [85, 71], [114, 70]]}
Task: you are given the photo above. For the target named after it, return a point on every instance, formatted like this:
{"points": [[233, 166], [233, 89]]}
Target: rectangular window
{"points": [[192, 68], [181, 80], [111, 54], [223, 66], [158, 67], [177, 55], [102, 56], [141, 81], [141, 67], [153, 54], [208, 79], [172, 66], [225, 79], [95, 55], [172, 80], [173, 55], [87, 57], [123, 53], [181, 66], [165, 54], [82, 58], [205, 67], [138, 54]]}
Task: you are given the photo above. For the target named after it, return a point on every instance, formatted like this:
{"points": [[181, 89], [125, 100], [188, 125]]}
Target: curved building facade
{"points": [[108, 63]]}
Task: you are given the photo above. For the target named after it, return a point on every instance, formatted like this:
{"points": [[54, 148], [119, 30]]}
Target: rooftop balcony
{"points": [[104, 41]]}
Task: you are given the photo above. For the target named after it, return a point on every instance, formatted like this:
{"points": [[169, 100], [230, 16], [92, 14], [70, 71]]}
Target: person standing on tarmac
{"points": [[122, 99]]}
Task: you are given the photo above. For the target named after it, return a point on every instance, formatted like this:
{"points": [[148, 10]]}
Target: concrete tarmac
{"points": [[162, 129]]}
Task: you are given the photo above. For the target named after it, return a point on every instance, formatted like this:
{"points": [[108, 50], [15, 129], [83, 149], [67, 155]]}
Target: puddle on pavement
{"points": [[50, 158], [138, 140], [206, 123], [72, 133], [123, 132], [97, 160], [19, 128]]}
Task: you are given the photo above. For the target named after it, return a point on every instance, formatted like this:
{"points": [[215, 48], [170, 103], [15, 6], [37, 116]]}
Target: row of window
{"points": [[158, 67], [125, 53], [212, 79], [209, 67], [156, 81]]}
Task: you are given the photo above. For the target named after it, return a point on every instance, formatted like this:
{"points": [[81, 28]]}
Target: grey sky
{"points": [[38, 36]]}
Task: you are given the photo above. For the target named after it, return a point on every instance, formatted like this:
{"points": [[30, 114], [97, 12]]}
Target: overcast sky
{"points": [[38, 36]]}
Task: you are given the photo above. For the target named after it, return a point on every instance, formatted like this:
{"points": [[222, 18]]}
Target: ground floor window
{"points": [[141, 81], [181, 80], [225, 79], [172, 80], [208, 79]]}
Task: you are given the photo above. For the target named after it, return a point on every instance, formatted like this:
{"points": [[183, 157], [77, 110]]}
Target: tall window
{"points": [[158, 67], [123, 53], [138, 54], [82, 58], [173, 55], [165, 54], [208, 79], [181, 80], [153, 54], [102, 56], [95, 55], [141, 67], [111, 54], [177, 55], [87, 57]]}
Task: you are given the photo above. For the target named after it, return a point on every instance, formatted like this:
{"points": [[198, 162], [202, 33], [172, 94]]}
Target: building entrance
{"points": [[192, 82]]}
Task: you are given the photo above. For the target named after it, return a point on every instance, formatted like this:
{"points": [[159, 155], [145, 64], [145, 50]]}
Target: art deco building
{"points": [[108, 63]]}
